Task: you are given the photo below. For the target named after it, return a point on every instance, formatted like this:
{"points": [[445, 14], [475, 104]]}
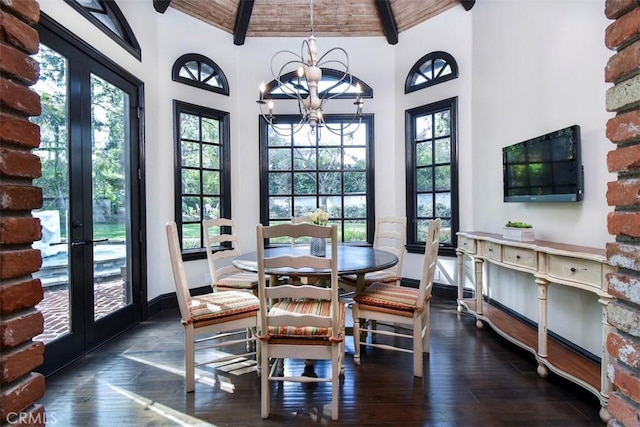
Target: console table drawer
{"points": [[577, 270], [492, 250], [467, 245], [520, 257]]}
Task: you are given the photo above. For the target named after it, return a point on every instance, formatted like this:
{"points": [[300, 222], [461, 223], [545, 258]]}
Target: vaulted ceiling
{"points": [[291, 18]]}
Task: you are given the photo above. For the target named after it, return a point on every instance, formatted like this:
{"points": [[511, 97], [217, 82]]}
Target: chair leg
{"points": [[264, 381], [417, 346], [356, 333], [426, 328], [189, 358], [249, 342], [335, 378]]}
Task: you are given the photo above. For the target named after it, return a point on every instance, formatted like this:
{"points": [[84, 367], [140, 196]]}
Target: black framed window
{"points": [[202, 175], [107, 16], [432, 173], [431, 69], [302, 171], [197, 70]]}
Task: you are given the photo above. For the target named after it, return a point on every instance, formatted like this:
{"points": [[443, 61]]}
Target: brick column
{"points": [[19, 292], [623, 130]]}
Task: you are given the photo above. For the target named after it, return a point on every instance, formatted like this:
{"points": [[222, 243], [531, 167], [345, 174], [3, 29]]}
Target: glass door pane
{"points": [[54, 155], [109, 139]]}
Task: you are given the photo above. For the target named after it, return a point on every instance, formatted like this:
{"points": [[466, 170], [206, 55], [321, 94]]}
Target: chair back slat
{"points": [[298, 262], [430, 260], [179, 276], [297, 230], [228, 253], [222, 238], [298, 292]]}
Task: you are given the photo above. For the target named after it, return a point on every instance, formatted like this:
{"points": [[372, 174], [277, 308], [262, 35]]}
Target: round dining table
{"points": [[352, 260]]}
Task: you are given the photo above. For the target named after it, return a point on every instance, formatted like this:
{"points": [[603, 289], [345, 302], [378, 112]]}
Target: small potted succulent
{"points": [[520, 231]]}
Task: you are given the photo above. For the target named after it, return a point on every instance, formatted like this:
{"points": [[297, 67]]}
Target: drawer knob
{"points": [[517, 256], [573, 269], [490, 249]]}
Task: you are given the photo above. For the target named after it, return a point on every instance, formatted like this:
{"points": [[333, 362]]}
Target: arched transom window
{"points": [[197, 70], [431, 69]]}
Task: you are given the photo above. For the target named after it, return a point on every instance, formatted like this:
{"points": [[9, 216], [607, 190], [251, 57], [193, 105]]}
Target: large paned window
{"points": [[432, 189], [203, 188], [302, 171]]}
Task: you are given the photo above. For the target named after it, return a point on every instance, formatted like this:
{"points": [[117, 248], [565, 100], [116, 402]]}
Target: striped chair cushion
{"points": [[321, 308], [390, 296], [222, 304], [375, 276], [241, 280]]}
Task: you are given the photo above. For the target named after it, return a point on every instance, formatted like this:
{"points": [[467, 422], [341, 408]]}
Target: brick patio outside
{"points": [[109, 296]]}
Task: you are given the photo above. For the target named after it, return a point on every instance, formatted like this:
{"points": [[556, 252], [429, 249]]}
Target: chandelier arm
{"points": [[305, 44], [345, 128], [286, 90], [274, 126], [335, 49]]}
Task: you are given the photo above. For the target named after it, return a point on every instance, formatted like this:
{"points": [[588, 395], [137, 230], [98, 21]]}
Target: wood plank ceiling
{"points": [[291, 18]]}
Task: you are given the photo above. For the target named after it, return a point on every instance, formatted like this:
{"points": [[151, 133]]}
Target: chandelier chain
{"points": [[311, 18]]}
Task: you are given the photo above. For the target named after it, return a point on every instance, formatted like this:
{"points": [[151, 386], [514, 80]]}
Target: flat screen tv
{"points": [[544, 169]]}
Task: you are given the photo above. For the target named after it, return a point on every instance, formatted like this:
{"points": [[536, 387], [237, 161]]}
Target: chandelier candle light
{"points": [[305, 87]]}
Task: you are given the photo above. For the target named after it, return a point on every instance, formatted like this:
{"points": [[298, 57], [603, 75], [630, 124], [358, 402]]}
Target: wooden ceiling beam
{"points": [[243, 16], [388, 21], [467, 4], [161, 6]]}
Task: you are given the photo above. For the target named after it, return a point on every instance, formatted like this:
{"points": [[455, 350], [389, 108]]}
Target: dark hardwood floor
{"points": [[472, 378]]}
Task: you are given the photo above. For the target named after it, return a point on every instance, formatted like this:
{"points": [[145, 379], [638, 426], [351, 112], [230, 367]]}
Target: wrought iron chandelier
{"points": [[304, 86]]}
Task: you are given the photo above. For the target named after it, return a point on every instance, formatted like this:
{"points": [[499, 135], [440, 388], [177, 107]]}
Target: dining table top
{"points": [[356, 260]]}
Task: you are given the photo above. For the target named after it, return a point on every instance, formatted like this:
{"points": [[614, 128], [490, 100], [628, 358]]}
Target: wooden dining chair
{"points": [[222, 247], [398, 306], [390, 234], [299, 321], [213, 319]]}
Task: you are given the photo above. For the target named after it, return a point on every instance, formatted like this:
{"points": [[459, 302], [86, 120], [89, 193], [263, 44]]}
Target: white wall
{"points": [[538, 66], [449, 32], [526, 68]]}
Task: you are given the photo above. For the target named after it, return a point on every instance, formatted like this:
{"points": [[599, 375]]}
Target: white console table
{"points": [[548, 262]]}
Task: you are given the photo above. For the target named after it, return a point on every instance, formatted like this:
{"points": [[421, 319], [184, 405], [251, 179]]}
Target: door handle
{"points": [[87, 242]]}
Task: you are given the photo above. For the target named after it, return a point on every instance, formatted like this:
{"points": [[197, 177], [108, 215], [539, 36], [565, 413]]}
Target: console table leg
{"points": [[542, 371], [605, 384], [604, 414], [543, 286], [478, 271], [460, 258]]}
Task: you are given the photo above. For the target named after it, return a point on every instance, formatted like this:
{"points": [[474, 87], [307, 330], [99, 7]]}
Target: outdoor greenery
{"points": [[108, 107], [432, 145], [53, 132], [306, 172]]}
